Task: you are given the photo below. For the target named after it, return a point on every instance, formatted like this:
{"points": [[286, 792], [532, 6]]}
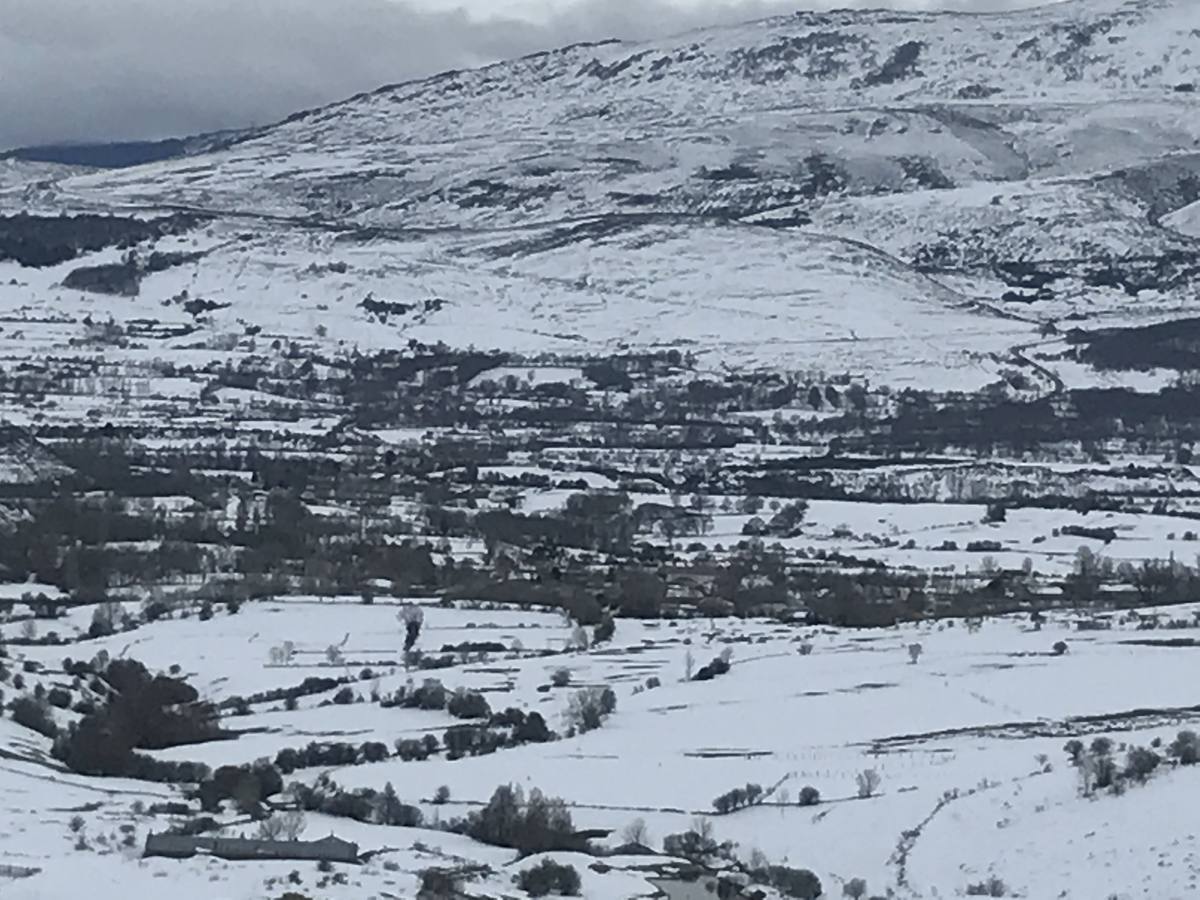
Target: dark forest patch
{"points": [[1168, 345], [40, 241]]}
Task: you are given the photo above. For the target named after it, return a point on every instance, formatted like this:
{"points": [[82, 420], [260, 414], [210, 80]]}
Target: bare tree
{"points": [[636, 833], [579, 639], [333, 653], [282, 654], [270, 829], [868, 783], [294, 824]]}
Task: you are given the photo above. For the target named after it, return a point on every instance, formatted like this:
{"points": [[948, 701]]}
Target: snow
{"points": [[972, 716], [760, 198], [505, 193]]}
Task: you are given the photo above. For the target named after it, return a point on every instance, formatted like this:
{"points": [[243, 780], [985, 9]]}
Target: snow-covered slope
{"points": [[602, 126], [827, 181], [18, 176]]}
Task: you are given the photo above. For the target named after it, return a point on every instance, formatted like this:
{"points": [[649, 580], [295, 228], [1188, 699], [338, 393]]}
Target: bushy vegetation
{"points": [[335, 754], [536, 825], [472, 740], [141, 710], [363, 804], [738, 798], [719, 666], [992, 887], [34, 714], [465, 704], [697, 844], [39, 241], [247, 785], [549, 877], [589, 707], [438, 884], [1099, 769], [1185, 748], [799, 883], [410, 749]]}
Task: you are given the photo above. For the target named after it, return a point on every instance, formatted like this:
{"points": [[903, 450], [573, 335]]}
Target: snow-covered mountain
{"points": [[826, 320], [799, 191]]}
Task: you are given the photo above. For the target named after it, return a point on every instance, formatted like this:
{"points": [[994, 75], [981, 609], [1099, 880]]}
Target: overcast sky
{"points": [[78, 70]]}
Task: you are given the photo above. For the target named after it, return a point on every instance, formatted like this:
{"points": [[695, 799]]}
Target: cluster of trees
{"points": [[430, 694], [336, 753], [465, 704], [785, 523], [597, 521], [738, 798], [39, 241], [719, 666], [1154, 582], [508, 728], [314, 684], [287, 826], [1100, 770], [438, 883], [416, 749], [141, 711], [526, 728], [589, 707], [697, 844], [1185, 748], [993, 886], [549, 877], [534, 825], [364, 804], [1157, 582], [34, 713], [472, 740], [90, 544], [799, 883], [249, 786]]}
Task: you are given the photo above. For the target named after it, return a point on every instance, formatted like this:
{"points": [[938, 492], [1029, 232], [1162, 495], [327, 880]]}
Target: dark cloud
{"points": [[75, 70]]}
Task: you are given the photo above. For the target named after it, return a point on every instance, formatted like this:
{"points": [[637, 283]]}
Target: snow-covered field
{"points": [[971, 719]]}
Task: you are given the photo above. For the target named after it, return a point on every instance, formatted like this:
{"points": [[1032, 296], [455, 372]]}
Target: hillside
{"points": [[777, 444], [1057, 141]]}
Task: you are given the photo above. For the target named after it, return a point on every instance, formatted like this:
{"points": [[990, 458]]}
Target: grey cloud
{"points": [[73, 70]]}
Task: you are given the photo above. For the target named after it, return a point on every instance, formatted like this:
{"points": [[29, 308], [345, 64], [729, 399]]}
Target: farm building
{"points": [[178, 846]]}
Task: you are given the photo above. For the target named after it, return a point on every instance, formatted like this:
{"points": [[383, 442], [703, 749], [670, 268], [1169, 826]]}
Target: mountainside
{"points": [[780, 439], [948, 159], [727, 121]]}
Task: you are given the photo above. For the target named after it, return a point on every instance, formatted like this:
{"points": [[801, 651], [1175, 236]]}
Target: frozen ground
{"points": [[974, 716]]}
